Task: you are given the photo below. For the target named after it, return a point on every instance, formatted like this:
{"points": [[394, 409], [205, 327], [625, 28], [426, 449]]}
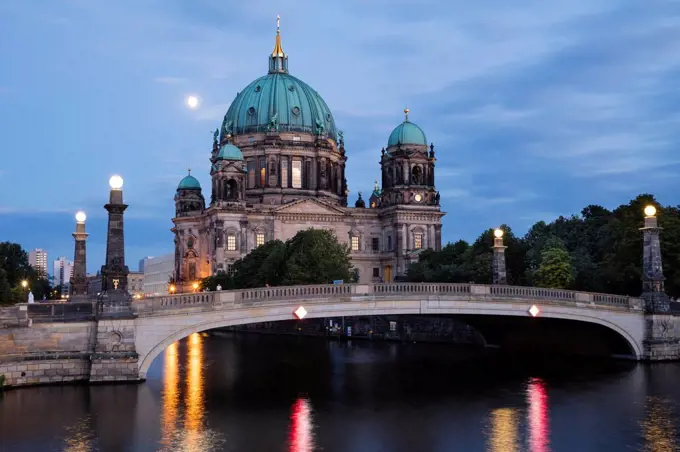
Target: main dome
{"points": [[278, 101]]}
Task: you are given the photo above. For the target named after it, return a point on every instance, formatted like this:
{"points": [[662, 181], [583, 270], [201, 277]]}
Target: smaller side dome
{"points": [[230, 152], [189, 183], [407, 133]]}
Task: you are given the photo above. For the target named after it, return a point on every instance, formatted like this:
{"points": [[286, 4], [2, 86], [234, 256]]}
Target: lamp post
{"points": [[78, 285], [653, 292], [499, 273]]}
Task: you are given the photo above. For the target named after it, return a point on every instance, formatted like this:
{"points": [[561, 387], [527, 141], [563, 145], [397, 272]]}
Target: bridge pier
{"points": [[115, 356], [662, 337]]}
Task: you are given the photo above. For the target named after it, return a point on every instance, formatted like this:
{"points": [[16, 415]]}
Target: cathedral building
{"points": [[278, 167]]}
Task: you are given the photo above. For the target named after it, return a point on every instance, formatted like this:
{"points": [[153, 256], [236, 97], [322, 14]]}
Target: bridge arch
{"points": [[155, 333]]}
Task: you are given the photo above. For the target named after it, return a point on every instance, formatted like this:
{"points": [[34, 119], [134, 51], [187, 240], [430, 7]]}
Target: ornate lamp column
{"points": [[114, 272], [653, 293], [499, 272], [79, 279]]}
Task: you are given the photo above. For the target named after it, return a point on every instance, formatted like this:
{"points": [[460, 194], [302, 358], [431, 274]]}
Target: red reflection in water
{"points": [[301, 437], [539, 428]]}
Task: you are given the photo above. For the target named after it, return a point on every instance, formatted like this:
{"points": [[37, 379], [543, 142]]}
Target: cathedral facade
{"points": [[278, 167]]}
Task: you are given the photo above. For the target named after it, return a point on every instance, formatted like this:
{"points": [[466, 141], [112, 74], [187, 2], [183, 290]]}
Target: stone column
{"points": [[499, 273], [114, 272], [653, 292], [79, 279]]}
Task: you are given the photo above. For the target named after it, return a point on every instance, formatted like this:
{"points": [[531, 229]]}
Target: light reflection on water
{"points": [[657, 426], [248, 393], [186, 431], [301, 437]]}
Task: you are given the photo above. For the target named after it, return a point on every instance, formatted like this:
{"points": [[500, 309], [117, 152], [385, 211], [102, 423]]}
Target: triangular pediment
{"points": [[310, 206]]}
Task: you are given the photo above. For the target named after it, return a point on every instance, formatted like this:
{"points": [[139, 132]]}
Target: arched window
{"points": [[232, 190], [231, 241], [416, 175]]}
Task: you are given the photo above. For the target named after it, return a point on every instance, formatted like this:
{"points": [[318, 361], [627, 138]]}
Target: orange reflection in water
{"points": [[658, 426], [194, 388], [301, 437], [503, 434], [539, 428], [170, 394]]}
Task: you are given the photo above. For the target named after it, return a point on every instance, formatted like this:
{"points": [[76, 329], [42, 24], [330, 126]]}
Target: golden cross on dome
{"points": [[278, 23], [406, 110]]}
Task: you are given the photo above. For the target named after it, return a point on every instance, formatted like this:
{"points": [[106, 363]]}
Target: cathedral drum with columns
{"points": [[278, 167]]}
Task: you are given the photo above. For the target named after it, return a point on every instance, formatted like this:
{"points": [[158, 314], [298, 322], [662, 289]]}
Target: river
{"points": [[246, 392]]}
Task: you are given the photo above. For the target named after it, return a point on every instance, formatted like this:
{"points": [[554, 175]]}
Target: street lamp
{"points": [[650, 211], [172, 288], [195, 286], [116, 182], [24, 284]]}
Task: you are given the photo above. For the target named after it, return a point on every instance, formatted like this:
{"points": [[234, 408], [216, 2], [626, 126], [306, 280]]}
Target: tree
{"points": [[315, 256], [5, 290], [14, 260], [262, 266], [555, 269]]}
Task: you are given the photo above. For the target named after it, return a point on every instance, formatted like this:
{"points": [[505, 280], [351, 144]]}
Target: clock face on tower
{"points": [[418, 197]]}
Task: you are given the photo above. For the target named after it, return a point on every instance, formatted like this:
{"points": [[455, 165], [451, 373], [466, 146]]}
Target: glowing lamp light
{"points": [[172, 289], [534, 311], [195, 286], [24, 283], [498, 233], [116, 182], [81, 217], [193, 102], [650, 211], [300, 312]]}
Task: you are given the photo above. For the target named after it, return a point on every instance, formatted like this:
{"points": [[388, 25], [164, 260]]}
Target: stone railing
{"points": [[478, 292]]}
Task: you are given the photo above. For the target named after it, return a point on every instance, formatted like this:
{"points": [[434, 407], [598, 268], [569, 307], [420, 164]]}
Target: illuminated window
{"points": [[418, 240], [296, 138], [259, 239], [284, 172], [355, 243], [231, 242], [263, 171], [297, 174]]}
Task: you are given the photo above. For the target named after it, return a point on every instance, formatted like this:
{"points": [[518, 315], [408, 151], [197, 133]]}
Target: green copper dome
{"points": [[278, 102], [230, 152], [407, 133], [189, 183]]}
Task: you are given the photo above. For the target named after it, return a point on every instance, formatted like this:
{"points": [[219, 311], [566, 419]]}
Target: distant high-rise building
{"points": [[141, 263], [38, 260], [63, 270]]}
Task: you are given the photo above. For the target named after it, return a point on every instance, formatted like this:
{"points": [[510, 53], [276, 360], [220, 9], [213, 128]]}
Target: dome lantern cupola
{"points": [[407, 133], [189, 200], [278, 60], [189, 182]]}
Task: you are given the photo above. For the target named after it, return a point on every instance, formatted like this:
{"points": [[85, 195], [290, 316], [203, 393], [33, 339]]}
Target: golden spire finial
{"points": [[406, 110], [278, 50]]}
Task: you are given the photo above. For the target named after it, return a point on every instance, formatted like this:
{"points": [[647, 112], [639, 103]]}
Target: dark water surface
{"points": [[271, 393]]}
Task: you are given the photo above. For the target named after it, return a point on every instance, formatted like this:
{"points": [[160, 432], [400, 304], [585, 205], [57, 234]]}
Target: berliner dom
{"points": [[277, 166]]}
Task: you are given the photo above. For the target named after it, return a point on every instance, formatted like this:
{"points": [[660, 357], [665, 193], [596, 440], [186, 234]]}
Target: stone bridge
{"points": [[114, 349]]}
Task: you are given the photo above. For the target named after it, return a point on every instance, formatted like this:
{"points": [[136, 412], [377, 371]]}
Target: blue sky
{"points": [[536, 108]]}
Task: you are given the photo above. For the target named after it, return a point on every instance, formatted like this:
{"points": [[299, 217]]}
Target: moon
{"points": [[192, 102]]}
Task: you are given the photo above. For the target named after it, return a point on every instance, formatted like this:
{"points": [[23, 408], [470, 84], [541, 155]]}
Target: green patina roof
{"points": [[230, 152], [407, 133], [189, 183], [278, 101]]}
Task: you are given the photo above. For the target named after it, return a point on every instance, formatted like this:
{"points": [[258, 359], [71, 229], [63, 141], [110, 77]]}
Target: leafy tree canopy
{"points": [[313, 256], [604, 250], [14, 268]]}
